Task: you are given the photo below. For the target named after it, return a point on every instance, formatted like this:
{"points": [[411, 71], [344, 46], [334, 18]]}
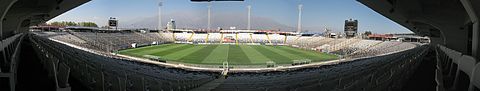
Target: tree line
{"points": [[69, 23]]}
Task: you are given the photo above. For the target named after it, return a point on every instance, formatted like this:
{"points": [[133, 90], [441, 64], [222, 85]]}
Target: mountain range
{"points": [[224, 20]]}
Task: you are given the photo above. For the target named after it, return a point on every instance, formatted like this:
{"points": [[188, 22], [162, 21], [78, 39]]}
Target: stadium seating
{"points": [[347, 76], [242, 38], [461, 71], [103, 71], [10, 50], [93, 69], [351, 48], [108, 42]]}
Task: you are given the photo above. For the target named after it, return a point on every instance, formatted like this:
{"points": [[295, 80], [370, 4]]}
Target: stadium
{"points": [[210, 54], [248, 49], [234, 51], [110, 59]]}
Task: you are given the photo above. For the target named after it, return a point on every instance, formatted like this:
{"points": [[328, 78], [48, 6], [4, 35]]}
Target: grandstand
{"points": [[365, 56], [99, 49], [125, 43]]}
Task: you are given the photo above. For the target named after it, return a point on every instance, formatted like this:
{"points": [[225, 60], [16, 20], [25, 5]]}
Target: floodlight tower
{"points": [[249, 7], [209, 18], [299, 23], [210, 6], [160, 4]]}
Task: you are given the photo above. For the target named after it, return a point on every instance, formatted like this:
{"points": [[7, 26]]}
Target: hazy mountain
{"points": [[197, 21]]}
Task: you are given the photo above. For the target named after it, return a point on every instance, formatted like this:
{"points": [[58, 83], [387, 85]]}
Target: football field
{"points": [[234, 54]]}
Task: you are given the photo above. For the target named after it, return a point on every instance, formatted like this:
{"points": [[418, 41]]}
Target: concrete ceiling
{"points": [[18, 15], [446, 22]]}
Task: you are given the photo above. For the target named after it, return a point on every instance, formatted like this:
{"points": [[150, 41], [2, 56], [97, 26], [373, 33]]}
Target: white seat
{"points": [[467, 64], [63, 75], [475, 78], [454, 55]]}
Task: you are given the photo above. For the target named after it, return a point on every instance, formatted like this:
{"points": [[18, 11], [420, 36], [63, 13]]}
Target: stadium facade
{"points": [[86, 60]]}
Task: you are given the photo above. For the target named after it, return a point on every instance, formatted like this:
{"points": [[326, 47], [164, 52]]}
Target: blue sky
{"points": [[317, 14]]}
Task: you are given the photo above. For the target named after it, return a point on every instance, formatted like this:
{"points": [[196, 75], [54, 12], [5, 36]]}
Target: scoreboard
{"points": [[112, 23], [351, 28]]}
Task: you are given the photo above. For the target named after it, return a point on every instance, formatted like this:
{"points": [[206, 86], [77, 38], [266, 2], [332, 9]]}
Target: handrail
{"points": [[9, 41], [15, 55], [476, 76]]}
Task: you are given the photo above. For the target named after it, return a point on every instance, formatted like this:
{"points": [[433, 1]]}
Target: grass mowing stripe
{"points": [[145, 48], [180, 54], [277, 58], [254, 56], [139, 52], [218, 55], [135, 54], [326, 56], [283, 53], [299, 52], [198, 56], [237, 56], [323, 56], [172, 50], [312, 52], [160, 49]]}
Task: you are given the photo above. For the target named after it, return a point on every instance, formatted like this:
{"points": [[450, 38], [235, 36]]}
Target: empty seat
{"points": [[467, 64], [454, 55], [475, 78]]}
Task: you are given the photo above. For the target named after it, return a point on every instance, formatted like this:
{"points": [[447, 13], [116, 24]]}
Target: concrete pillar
{"points": [[476, 40], [1, 31], [473, 15]]}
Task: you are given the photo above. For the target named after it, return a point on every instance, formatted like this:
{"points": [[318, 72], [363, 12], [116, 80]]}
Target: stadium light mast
{"points": [[209, 18], [160, 4], [299, 23], [249, 7]]}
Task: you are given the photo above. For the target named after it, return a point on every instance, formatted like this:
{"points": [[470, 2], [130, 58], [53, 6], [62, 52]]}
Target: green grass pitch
{"points": [[234, 54]]}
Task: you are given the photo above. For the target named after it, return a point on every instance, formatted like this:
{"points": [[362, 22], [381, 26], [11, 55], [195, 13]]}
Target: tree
{"points": [[367, 33], [70, 23], [87, 24], [56, 24]]}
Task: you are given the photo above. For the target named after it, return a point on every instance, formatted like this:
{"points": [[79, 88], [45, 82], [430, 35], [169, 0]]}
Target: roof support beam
{"points": [[4, 7]]}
